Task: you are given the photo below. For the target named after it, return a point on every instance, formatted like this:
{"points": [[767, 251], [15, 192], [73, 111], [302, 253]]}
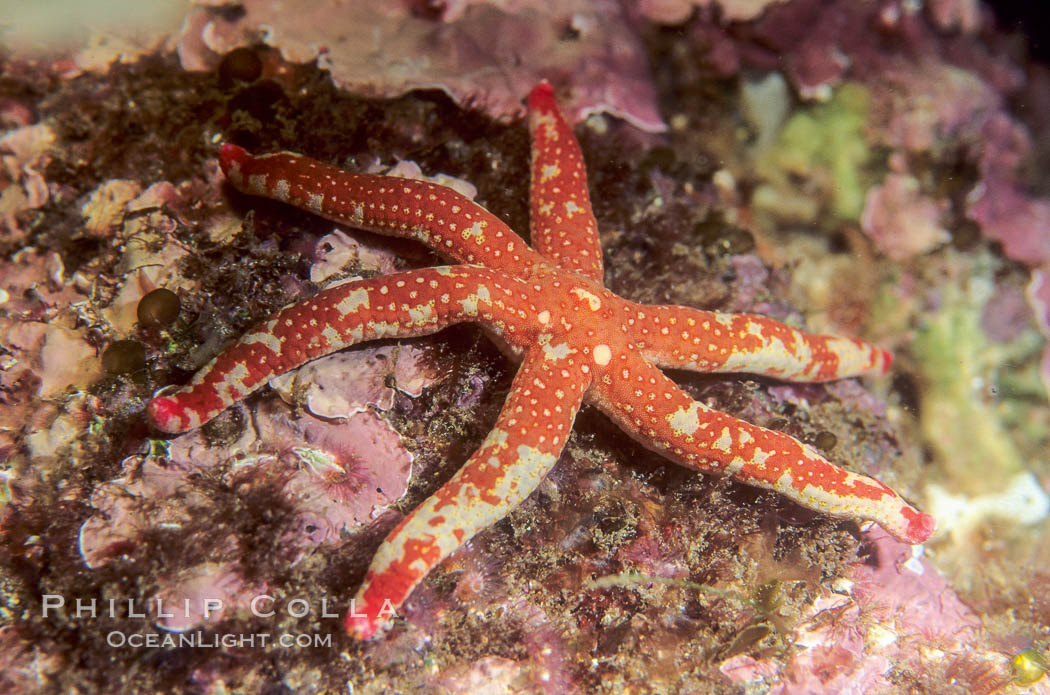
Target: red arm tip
{"points": [[541, 96], [360, 627], [887, 361], [230, 155], [164, 414], [920, 527]]}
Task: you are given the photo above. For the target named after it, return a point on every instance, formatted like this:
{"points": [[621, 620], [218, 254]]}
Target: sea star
{"points": [[576, 341]]}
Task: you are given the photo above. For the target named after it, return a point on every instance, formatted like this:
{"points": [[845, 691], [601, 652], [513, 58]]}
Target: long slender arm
{"points": [[563, 226], [690, 433], [706, 341], [524, 445], [403, 305], [447, 222]]}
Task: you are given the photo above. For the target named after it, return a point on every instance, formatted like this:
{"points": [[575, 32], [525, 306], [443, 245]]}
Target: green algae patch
{"points": [[961, 410], [817, 161], [968, 420]]}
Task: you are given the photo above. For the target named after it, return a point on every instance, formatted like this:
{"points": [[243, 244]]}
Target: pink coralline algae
{"points": [[23, 153], [930, 106], [486, 54], [955, 15], [818, 44], [143, 223], [900, 220], [335, 477], [150, 494], [1009, 215], [25, 665], [46, 361], [45, 352], [340, 473], [895, 614], [1006, 315], [106, 206], [334, 251], [812, 43], [1008, 212], [347, 383], [155, 494], [677, 11], [348, 472], [344, 384], [34, 285], [58, 356], [489, 674], [202, 595]]}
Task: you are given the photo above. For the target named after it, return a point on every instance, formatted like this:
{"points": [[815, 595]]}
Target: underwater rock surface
{"points": [[852, 167]]}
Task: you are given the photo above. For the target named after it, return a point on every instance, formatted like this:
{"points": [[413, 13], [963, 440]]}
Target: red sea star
{"points": [[576, 342]]}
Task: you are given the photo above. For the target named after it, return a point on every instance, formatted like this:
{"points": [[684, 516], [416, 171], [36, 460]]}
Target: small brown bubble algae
{"points": [[240, 65], [124, 357], [825, 441], [158, 308], [1029, 667]]}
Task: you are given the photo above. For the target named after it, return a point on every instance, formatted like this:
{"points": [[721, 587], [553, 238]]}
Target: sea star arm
{"points": [[562, 224], [660, 416], [524, 445], [678, 337], [447, 222], [404, 305]]}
